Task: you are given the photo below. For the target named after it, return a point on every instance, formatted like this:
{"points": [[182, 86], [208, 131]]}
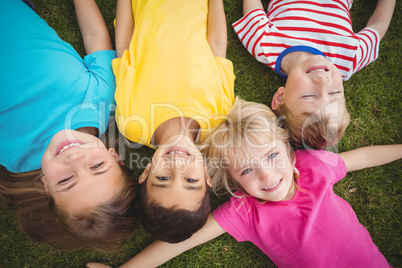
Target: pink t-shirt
{"points": [[316, 228]]}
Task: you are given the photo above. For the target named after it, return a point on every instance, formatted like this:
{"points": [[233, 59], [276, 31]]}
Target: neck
{"points": [[293, 59], [176, 126]]}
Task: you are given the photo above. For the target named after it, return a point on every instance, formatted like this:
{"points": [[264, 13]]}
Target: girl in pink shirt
{"points": [[281, 201]]}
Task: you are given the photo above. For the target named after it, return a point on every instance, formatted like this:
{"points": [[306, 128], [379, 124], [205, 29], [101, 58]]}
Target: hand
{"points": [[96, 265]]}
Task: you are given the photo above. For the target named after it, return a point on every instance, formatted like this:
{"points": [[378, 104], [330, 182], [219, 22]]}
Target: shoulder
{"points": [[237, 217], [316, 156], [317, 159], [320, 162], [237, 206]]}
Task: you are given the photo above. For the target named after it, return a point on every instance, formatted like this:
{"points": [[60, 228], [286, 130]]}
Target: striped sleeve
{"points": [[250, 29], [369, 41]]}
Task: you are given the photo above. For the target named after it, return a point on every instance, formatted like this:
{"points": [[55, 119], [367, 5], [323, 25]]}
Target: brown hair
{"points": [[247, 123], [311, 131], [104, 229], [170, 224]]}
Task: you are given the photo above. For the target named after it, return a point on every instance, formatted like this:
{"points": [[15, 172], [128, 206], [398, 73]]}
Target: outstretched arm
{"points": [[124, 26], [371, 156], [216, 29], [160, 252], [381, 17], [92, 26], [249, 5]]}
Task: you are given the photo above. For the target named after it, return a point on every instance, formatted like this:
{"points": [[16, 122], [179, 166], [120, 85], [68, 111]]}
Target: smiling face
{"points": [[313, 85], [177, 176], [267, 173], [79, 171]]}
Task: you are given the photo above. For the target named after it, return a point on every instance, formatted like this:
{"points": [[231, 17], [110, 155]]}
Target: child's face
{"points": [[177, 176], [313, 85], [267, 173], [79, 171]]}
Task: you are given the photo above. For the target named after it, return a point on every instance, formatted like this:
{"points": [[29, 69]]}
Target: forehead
{"points": [[244, 155]]}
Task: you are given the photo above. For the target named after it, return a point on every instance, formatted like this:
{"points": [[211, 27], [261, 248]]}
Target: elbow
{"points": [[218, 48]]}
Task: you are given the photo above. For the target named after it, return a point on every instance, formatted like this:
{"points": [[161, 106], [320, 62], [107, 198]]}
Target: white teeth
{"points": [[68, 146], [318, 70], [273, 186], [177, 152]]}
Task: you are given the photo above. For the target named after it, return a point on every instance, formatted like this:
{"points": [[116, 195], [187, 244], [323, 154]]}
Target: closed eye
{"points": [[334, 92], [309, 96], [64, 181]]}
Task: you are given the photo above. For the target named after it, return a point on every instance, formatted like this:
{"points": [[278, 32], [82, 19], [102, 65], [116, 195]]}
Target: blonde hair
{"points": [[105, 229], [311, 131], [247, 123]]}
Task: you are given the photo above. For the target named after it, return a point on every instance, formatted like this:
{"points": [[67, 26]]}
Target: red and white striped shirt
{"points": [[324, 25]]}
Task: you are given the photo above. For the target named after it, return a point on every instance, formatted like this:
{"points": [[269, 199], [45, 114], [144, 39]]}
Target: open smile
{"points": [[178, 151], [274, 186], [317, 68], [66, 145]]}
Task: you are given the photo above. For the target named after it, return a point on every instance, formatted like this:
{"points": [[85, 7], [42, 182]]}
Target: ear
{"points": [[278, 98], [144, 174], [207, 177], [115, 156], [45, 186]]}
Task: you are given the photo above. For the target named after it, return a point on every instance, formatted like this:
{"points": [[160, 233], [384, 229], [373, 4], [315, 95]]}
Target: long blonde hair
{"points": [[246, 123], [105, 229]]}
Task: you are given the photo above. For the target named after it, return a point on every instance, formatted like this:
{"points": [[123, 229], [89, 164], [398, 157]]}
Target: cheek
{"points": [[297, 82], [282, 163], [52, 171], [247, 185]]}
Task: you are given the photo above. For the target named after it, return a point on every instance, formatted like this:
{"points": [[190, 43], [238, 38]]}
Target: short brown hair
{"points": [[171, 225], [311, 131], [105, 229]]}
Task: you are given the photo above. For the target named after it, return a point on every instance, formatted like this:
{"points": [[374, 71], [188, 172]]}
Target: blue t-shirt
{"points": [[45, 86]]}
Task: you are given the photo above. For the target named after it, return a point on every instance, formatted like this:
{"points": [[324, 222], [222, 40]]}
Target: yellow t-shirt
{"points": [[169, 70]]}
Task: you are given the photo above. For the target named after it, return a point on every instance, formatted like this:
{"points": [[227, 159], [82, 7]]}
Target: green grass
{"points": [[373, 99]]}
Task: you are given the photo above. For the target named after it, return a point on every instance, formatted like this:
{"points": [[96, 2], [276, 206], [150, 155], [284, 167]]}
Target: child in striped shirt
{"points": [[312, 44]]}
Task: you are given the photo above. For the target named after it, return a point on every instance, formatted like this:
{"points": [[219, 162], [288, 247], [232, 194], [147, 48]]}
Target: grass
{"points": [[373, 99]]}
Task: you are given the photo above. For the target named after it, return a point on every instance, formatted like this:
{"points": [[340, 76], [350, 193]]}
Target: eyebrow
{"points": [[96, 174], [263, 155], [187, 187]]}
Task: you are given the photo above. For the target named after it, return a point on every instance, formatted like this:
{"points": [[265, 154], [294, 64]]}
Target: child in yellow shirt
{"points": [[174, 84]]}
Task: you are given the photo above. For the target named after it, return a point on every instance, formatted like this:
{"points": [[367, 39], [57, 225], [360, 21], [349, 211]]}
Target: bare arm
{"points": [[124, 26], [216, 29], [160, 252], [381, 17], [92, 26], [249, 5], [371, 156]]}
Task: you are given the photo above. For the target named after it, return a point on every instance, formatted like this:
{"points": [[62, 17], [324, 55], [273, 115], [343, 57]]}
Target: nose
{"points": [[179, 162], [321, 80], [175, 161], [74, 157], [264, 174]]}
